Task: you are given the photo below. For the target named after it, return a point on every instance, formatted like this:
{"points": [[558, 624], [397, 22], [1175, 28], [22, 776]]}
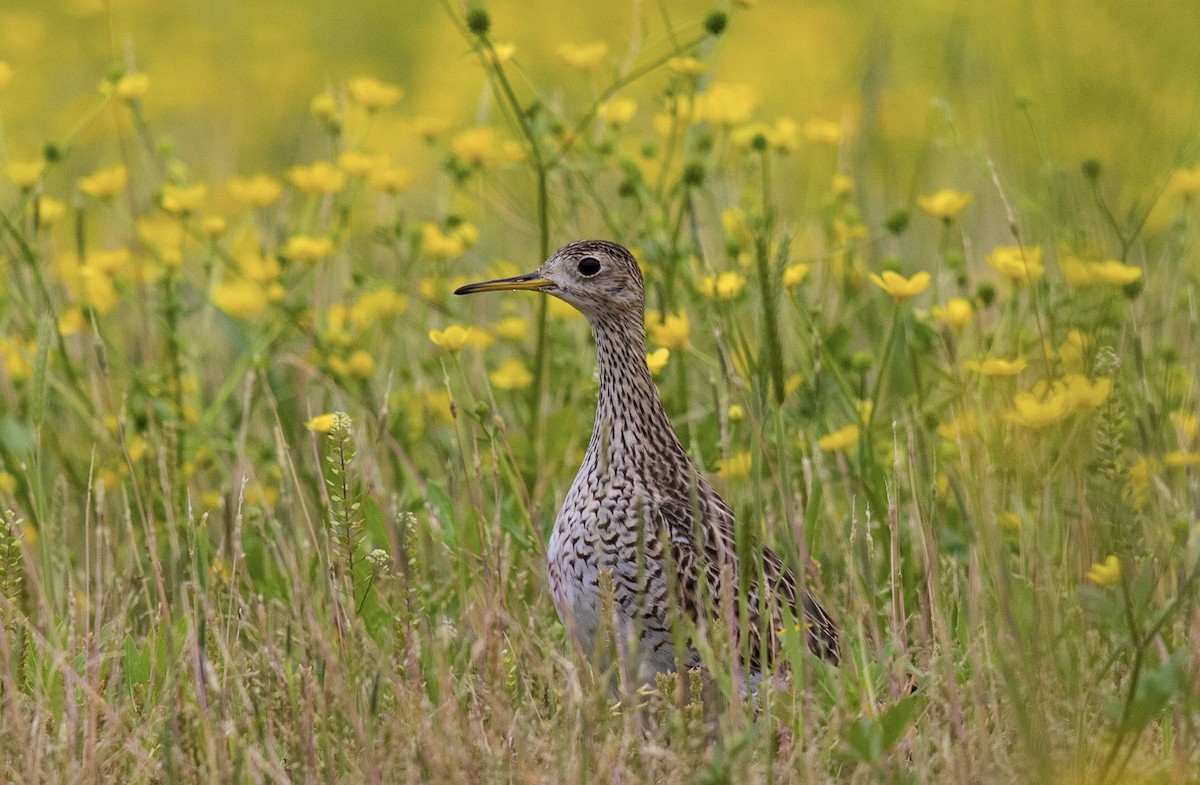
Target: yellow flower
{"points": [[1021, 266], [1114, 273], [962, 426], [128, 88], [724, 286], [14, 357], [794, 275], [618, 111], [736, 413], [1187, 423], [728, 104], [390, 179], [110, 260], [322, 423], [304, 248], [324, 107], [476, 146], [584, 56], [657, 360], [436, 245], [1009, 520], [839, 440], [899, 287], [358, 163], [181, 199], [319, 177], [1106, 574], [361, 364], [72, 321], [511, 375], [513, 328], [50, 209], [946, 204], [26, 174], [1082, 273], [1185, 182], [1045, 405], [687, 66], [381, 303], [672, 332], [429, 127], [260, 190], [1180, 459], [8, 483], [1082, 394], [500, 53], [957, 312], [735, 466], [737, 228], [213, 225], [241, 298], [823, 131], [451, 339], [104, 183], [994, 366], [841, 187], [374, 94]]}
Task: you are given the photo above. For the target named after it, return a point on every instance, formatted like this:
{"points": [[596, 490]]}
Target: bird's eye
{"points": [[589, 266]]}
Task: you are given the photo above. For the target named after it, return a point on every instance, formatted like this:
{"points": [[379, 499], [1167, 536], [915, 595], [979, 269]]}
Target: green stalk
{"points": [[765, 282]]}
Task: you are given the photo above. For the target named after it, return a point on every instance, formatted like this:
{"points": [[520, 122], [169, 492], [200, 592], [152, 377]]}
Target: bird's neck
{"points": [[630, 419]]}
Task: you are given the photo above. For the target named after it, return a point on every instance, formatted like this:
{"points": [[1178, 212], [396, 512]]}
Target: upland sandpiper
{"points": [[641, 511]]}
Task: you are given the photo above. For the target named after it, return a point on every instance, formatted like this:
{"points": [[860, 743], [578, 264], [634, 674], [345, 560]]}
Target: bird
{"points": [[640, 517]]}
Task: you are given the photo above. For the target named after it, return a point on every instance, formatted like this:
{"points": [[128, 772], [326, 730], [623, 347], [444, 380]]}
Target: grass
{"points": [[264, 526]]}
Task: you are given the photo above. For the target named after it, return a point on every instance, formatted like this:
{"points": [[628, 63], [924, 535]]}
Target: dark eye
{"points": [[589, 266]]}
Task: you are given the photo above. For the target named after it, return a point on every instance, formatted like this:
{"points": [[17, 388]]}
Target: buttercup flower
{"points": [[840, 440], [946, 204], [672, 332], [128, 88], [390, 179], [823, 131], [617, 111], [957, 312], [511, 375], [105, 183], [994, 366], [26, 174], [724, 286], [324, 107], [1019, 265], [452, 339], [512, 328], [241, 298], [181, 199], [657, 360], [1106, 573], [899, 287], [794, 275], [304, 248], [687, 66], [1044, 406], [583, 57], [260, 190], [476, 146], [374, 94], [735, 466], [322, 423], [319, 177]]}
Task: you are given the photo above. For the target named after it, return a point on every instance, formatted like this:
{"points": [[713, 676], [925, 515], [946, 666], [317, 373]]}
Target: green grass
{"points": [[196, 587]]}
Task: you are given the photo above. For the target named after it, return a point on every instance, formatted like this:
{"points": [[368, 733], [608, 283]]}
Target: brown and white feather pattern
{"points": [[638, 508]]}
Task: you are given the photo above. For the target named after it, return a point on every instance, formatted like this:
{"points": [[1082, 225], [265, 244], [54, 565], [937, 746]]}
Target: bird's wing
{"points": [[708, 550]]}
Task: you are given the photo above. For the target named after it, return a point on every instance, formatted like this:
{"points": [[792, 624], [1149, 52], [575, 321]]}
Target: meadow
{"points": [[923, 285]]}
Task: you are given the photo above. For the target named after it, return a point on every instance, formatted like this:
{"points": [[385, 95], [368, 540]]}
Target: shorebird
{"points": [[641, 511]]}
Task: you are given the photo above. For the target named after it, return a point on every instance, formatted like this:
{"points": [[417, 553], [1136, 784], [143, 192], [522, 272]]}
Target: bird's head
{"points": [[597, 277]]}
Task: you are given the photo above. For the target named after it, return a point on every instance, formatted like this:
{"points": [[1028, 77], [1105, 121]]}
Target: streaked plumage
{"points": [[639, 509]]}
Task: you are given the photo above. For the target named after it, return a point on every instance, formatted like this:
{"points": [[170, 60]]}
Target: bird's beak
{"points": [[528, 281]]}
